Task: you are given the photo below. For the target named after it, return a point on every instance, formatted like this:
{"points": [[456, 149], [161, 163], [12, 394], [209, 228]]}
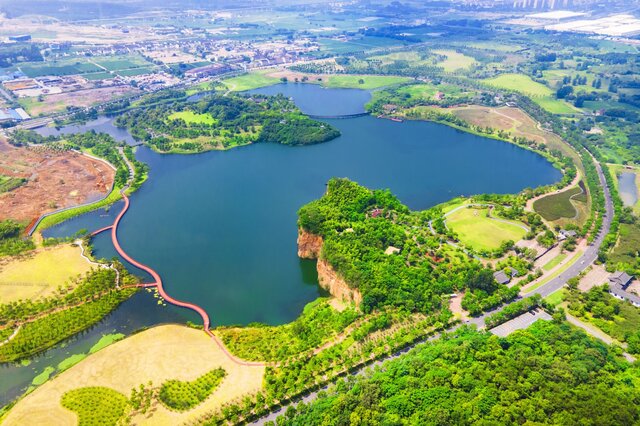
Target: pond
{"points": [[628, 188], [99, 125]]}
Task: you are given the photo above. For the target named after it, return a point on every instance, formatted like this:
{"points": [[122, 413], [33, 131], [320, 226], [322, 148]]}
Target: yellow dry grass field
{"points": [[158, 354], [40, 273]]}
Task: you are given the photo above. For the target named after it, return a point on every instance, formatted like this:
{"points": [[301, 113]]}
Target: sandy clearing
{"points": [[158, 354], [40, 273]]}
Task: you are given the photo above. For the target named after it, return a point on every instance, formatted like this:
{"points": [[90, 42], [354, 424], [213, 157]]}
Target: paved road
{"points": [[590, 254]]}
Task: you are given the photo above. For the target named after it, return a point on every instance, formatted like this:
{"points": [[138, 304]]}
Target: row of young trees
{"points": [[74, 308]]}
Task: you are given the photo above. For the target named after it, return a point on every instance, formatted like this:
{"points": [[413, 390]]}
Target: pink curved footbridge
{"points": [[158, 283]]}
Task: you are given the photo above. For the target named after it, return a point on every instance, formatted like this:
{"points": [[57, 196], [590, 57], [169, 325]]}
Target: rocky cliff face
{"points": [[331, 281], [309, 247]]}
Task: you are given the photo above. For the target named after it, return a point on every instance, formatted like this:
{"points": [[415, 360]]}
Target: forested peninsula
{"points": [[217, 121]]}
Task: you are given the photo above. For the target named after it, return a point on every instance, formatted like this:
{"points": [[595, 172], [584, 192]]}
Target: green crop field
{"points": [[136, 71], [480, 232], [366, 82], [59, 68], [413, 57], [455, 61], [253, 80], [191, 117], [121, 62], [556, 206], [98, 76], [555, 106], [8, 183], [519, 83]]}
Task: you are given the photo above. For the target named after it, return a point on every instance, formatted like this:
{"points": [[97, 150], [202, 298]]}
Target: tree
{"points": [[564, 91]]}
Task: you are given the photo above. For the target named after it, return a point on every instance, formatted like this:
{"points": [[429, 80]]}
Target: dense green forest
{"points": [[220, 122], [548, 374], [359, 226]]}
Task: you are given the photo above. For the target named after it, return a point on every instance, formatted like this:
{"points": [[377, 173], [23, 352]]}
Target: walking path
{"points": [[599, 334], [13, 335]]}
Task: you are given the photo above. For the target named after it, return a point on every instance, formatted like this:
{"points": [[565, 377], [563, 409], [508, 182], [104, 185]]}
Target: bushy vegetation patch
{"points": [[557, 206], [513, 310], [317, 323], [11, 240], [618, 319], [182, 396], [96, 406]]}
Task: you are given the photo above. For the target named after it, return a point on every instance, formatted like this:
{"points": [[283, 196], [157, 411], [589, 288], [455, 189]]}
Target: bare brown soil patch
{"points": [[55, 180], [81, 98]]}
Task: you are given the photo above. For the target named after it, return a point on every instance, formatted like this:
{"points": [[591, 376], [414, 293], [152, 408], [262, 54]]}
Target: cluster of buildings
{"points": [[613, 26], [616, 25], [10, 115], [619, 283]]}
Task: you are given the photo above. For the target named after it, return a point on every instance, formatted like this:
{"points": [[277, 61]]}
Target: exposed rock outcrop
{"points": [[309, 247], [331, 281]]}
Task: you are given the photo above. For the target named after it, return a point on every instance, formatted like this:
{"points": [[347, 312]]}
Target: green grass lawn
{"points": [[121, 62], [98, 76], [428, 91], [555, 106], [556, 298], [413, 57], [136, 71], [59, 68], [554, 262], [366, 82], [253, 80], [556, 206], [480, 232], [519, 83], [191, 117], [455, 61]]}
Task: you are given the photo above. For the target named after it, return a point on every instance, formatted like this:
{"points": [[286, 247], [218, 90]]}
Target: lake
{"points": [[220, 227]]}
